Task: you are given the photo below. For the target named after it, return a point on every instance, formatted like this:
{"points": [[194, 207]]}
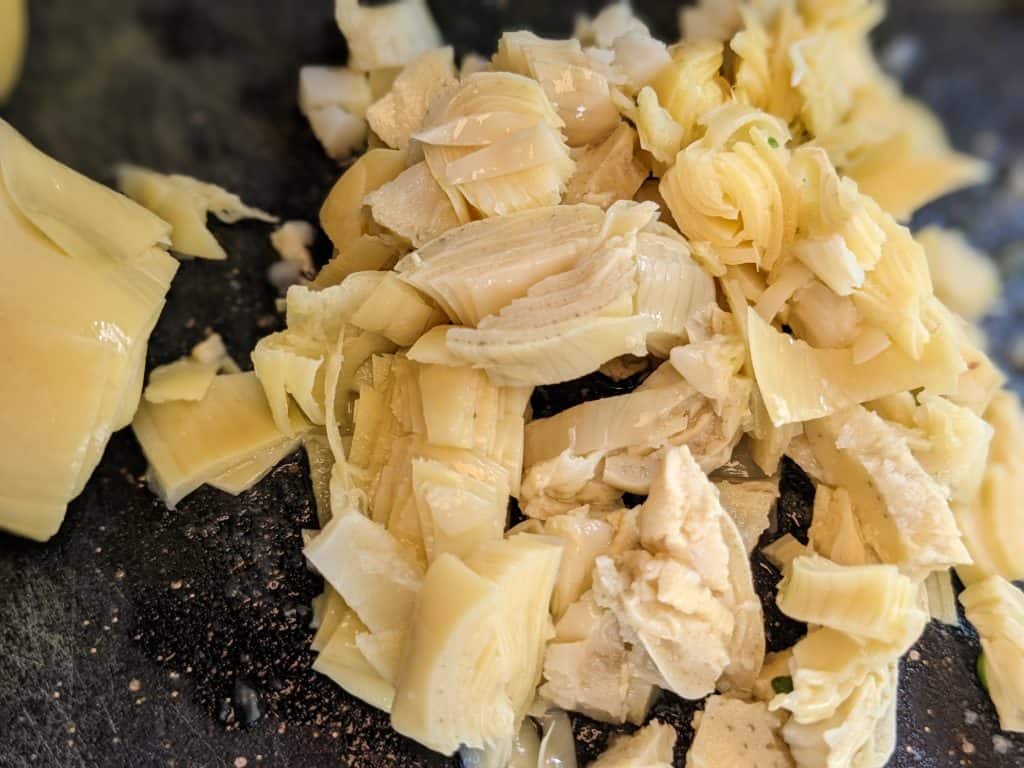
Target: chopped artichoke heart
{"points": [[289, 366], [903, 512], [836, 530], [334, 100], [457, 513], [388, 35], [413, 206], [651, 747], [184, 203], [184, 379], [716, 742], [82, 294], [246, 474], [524, 567], [942, 598], [341, 215], [607, 172], [395, 310], [965, 279], [801, 383], [996, 609], [671, 287], [342, 661], [506, 172], [476, 270], [191, 443], [451, 681], [371, 570], [645, 420], [749, 504], [874, 602], [400, 112]]}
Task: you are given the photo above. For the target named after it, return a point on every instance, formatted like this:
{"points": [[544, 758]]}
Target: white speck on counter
{"points": [[970, 717], [967, 747], [241, 762], [915, 656], [135, 685], [1001, 744]]}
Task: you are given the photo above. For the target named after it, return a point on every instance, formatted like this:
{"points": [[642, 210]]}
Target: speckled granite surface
{"points": [[146, 637]]}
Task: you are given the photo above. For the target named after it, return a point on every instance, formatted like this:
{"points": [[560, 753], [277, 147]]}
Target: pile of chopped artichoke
{"points": [[728, 207], [725, 213]]}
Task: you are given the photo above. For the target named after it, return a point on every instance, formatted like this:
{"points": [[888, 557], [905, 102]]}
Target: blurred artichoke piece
{"points": [[334, 101], [13, 42], [387, 35], [966, 280], [996, 609]]}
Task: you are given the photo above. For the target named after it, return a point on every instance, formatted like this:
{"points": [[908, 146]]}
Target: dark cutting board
{"points": [[140, 636]]}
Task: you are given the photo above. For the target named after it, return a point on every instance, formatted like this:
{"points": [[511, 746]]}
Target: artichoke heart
{"points": [[92, 272]]}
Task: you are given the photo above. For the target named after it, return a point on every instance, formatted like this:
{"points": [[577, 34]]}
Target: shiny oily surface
{"points": [[149, 637]]}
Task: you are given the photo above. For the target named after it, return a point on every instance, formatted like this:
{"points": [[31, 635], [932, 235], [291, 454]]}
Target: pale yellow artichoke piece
{"points": [[691, 85], [476, 270], [334, 100], [341, 660], [650, 747], [736, 732], [365, 253], [451, 684], [671, 288], [513, 166], [290, 367], [578, 90], [996, 609], [190, 443], [400, 112], [184, 379], [966, 280], [902, 510], [873, 602], [750, 504], [413, 206], [184, 203], [835, 528], [246, 474], [607, 172], [587, 668], [524, 567], [989, 521], [457, 513], [799, 383], [91, 279], [342, 216], [388, 35], [370, 569]]}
